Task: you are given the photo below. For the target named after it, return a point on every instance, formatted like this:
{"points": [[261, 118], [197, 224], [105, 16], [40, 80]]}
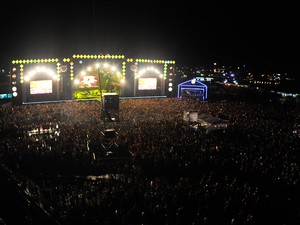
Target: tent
{"points": [[192, 89], [210, 122]]}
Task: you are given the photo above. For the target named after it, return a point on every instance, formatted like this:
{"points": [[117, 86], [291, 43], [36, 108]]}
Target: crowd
{"points": [[248, 173]]}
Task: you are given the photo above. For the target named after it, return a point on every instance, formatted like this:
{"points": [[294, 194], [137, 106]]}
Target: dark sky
{"points": [[261, 36]]}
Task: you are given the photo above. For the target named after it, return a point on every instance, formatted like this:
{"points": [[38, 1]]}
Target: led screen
{"points": [[40, 87], [3, 96], [88, 81], [147, 83]]}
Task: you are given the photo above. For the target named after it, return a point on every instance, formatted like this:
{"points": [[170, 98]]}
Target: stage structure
{"points": [[80, 76], [110, 118], [192, 89], [92, 75], [36, 80], [110, 149]]}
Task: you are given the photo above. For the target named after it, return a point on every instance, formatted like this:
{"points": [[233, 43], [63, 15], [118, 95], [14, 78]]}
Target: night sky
{"points": [[263, 37]]}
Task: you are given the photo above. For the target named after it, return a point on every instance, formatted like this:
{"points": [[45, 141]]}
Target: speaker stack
{"points": [[111, 107]]}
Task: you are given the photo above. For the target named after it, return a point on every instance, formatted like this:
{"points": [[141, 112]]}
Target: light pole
{"points": [[162, 88], [101, 95], [99, 80]]}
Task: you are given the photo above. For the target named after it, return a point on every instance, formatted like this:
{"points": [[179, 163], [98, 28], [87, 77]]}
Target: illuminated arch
{"points": [[149, 85], [97, 78], [149, 69], [97, 68], [38, 70]]}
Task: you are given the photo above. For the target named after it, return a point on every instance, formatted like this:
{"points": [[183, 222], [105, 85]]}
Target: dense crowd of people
{"points": [[248, 173]]}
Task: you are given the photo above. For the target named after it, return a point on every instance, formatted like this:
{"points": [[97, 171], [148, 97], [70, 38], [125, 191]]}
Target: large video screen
{"points": [[147, 83], [40, 87], [88, 81]]}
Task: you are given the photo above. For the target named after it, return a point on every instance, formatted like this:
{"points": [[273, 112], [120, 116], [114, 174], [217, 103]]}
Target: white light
{"points": [[15, 94], [76, 81], [50, 72], [193, 81], [142, 71], [170, 89], [31, 73], [38, 69], [41, 69], [97, 65], [170, 84], [14, 89]]}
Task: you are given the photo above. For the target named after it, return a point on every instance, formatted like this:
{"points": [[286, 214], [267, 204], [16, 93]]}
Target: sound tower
{"points": [[111, 107]]}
